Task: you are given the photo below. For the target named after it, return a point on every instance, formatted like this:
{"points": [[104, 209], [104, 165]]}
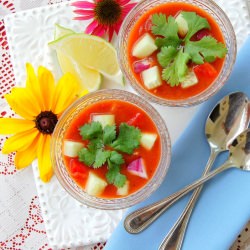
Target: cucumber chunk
{"points": [[148, 140], [71, 148], [182, 25], [104, 119], [152, 78], [123, 190], [95, 185], [189, 80], [144, 47]]}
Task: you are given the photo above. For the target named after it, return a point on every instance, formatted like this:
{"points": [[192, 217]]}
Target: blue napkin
{"points": [[224, 204]]}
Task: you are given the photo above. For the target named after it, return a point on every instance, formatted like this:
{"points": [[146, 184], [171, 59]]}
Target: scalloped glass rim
{"points": [[230, 39], [57, 144]]}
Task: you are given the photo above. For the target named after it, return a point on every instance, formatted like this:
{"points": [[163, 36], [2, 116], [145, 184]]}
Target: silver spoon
{"points": [[226, 112], [228, 119], [239, 157]]}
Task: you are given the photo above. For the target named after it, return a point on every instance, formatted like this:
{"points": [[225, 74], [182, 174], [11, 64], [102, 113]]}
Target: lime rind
{"points": [[61, 31]]}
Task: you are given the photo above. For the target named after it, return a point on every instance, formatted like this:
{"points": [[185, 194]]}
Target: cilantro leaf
{"points": [[128, 139], [115, 177], [95, 144], [101, 157], [111, 174], [120, 180], [109, 134], [116, 158], [166, 28], [207, 49], [86, 156], [195, 23], [91, 130], [166, 56], [175, 72]]}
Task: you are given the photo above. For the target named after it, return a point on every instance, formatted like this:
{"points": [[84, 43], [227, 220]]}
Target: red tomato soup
{"points": [[131, 115], [206, 73]]}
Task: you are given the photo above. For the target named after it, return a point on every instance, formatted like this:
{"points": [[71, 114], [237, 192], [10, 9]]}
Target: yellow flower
{"points": [[40, 104]]}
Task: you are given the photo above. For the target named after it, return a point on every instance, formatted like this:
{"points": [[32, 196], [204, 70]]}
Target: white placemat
{"points": [[68, 223]]}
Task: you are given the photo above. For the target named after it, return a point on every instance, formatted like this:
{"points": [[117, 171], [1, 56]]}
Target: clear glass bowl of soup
{"points": [[126, 112], [208, 76]]}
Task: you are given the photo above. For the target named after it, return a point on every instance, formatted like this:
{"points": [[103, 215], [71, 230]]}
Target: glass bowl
{"points": [[57, 146], [226, 28]]}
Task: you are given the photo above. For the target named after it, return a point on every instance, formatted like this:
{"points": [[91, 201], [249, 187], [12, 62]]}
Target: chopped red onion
{"points": [[137, 167], [141, 65]]}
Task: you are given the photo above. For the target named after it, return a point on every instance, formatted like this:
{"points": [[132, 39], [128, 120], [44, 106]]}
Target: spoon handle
{"points": [[174, 238], [143, 217]]}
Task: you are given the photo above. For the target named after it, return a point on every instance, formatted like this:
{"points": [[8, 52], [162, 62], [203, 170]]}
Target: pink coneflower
{"points": [[107, 14]]}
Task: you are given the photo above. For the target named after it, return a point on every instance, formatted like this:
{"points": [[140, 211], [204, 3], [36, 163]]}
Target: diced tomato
{"points": [[205, 69], [202, 33], [135, 120], [78, 169]]}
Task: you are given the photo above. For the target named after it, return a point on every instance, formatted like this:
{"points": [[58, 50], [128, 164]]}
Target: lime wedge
{"points": [[89, 51], [88, 78], [61, 31]]}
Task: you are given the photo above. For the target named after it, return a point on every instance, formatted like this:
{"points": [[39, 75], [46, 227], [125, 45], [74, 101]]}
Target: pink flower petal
{"points": [[111, 33], [129, 7], [117, 27], [85, 12], [99, 30], [90, 28], [123, 2], [83, 17], [83, 4]]}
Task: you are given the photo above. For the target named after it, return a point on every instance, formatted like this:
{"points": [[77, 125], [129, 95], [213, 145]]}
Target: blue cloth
{"points": [[224, 204]]}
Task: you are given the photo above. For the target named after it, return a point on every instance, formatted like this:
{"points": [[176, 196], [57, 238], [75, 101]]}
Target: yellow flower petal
{"points": [[33, 85], [44, 161], [25, 158], [13, 125], [20, 141], [65, 93], [23, 103], [47, 87]]}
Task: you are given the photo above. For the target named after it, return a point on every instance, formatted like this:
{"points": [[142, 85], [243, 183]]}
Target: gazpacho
{"points": [[112, 149], [176, 50]]}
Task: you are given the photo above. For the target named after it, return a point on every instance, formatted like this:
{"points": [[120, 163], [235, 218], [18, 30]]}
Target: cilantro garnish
{"points": [[96, 155], [195, 23], [207, 49], [175, 52], [115, 177], [175, 72], [91, 131], [166, 28], [128, 139]]}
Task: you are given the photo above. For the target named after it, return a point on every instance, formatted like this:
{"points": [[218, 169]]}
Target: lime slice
{"points": [[88, 78], [61, 31], [89, 51]]}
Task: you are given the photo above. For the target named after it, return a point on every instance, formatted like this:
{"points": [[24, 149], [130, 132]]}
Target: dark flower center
{"points": [[107, 12], [46, 122]]}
